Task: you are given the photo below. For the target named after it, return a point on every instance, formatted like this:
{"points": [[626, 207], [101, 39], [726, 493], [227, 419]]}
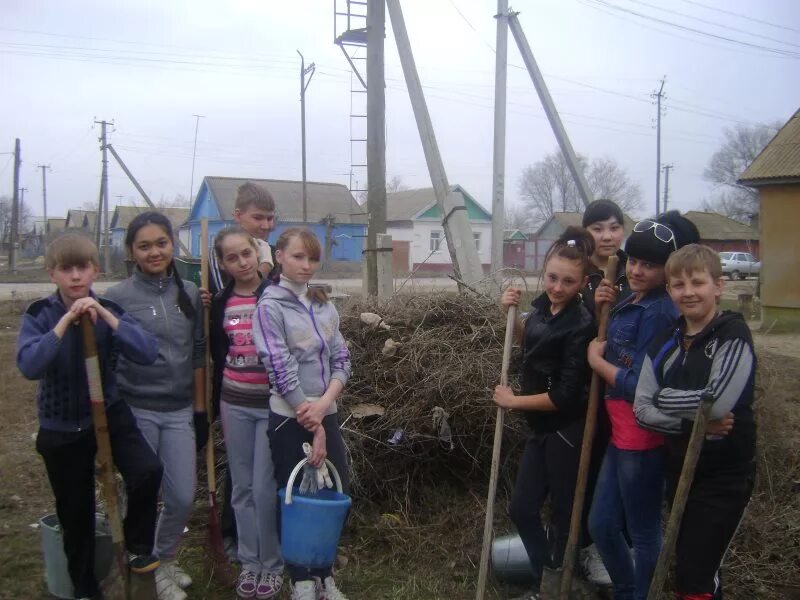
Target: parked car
{"points": [[739, 265]]}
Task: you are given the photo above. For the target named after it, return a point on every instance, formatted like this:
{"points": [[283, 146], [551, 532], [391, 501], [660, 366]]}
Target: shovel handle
{"points": [[589, 429], [483, 571]]}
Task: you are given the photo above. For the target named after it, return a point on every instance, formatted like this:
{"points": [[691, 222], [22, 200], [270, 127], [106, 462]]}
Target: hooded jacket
{"points": [[167, 384], [554, 361], [720, 363], [58, 363], [301, 347]]}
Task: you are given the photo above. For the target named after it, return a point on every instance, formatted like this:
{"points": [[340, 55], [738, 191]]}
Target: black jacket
{"points": [[596, 276], [220, 343], [554, 361], [719, 363]]}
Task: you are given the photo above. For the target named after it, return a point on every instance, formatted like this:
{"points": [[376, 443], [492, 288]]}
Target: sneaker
{"points": [[593, 566], [166, 588], [142, 563], [269, 585], [178, 575], [246, 584], [329, 591], [304, 590]]}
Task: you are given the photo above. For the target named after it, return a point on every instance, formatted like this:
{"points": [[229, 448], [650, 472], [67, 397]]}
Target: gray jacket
{"points": [[167, 384], [301, 347]]}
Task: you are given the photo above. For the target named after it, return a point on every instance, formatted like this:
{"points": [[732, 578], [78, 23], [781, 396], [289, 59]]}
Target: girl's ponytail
{"points": [[576, 243], [184, 302]]}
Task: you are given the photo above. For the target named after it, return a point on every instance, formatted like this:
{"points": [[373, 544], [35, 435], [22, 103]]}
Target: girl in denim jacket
{"points": [[630, 486]]}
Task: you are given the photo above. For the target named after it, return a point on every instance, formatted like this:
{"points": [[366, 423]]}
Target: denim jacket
{"points": [[631, 328]]}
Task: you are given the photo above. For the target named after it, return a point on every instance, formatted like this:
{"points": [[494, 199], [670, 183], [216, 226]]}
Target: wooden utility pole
{"points": [[667, 169], [44, 169], [104, 203], [550, 109], [14, 231], [659, 95], [376, 139], [303, 86], [499, 159], [457, 230]]}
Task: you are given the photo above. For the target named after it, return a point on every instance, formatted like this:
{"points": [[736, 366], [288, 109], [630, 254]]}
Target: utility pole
{"points": [[376, 139], [194, 153], [499, 158], [658, 96], [550, 109], [104, 193], [44, 169], [14, 232], [303, 86], [667, 169]]}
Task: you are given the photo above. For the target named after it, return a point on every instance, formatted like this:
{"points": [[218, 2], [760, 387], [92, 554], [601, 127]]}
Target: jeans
{"points": [[254, 496], [171, 436], [629, 491]]}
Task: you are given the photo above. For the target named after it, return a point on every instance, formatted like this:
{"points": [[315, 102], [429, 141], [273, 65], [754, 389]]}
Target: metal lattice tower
{"points": [[350, 34]]}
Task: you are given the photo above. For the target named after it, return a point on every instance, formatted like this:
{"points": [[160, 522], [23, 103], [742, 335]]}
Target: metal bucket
{"points": [[510, 562], [59, 583]]}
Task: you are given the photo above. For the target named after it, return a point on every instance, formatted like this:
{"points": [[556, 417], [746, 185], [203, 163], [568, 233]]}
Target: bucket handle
{"points": [[296, 470]]}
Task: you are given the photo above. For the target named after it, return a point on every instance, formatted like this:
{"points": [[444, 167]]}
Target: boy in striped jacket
{"points": [[708, 352]]}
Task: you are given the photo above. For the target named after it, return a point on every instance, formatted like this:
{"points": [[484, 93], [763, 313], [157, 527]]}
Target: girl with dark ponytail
{"points": [[554, 337], [168, 397]]}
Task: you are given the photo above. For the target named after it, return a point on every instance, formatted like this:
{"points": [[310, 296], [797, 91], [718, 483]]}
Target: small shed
{"points": [[724, 234], [775, 173], [414, 221], [332, 214]]}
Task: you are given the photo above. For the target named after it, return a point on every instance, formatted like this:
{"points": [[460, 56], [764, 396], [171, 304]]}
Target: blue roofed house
{"points": [[333, 215], [414, 221]]}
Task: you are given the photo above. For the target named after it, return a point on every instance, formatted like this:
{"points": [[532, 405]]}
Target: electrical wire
{"points": [[740, 15]]}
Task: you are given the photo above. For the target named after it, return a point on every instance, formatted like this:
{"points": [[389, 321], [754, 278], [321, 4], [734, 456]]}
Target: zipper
{"points": [[321, 350], [169, 340]]}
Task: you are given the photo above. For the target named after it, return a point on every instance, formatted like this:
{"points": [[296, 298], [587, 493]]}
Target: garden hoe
{"points": [[561, 583], [215, 546], [693, 450], [118, 584]]}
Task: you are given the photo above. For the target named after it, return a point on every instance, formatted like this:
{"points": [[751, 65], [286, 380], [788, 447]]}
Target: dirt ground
{"points": [[421, 556]]}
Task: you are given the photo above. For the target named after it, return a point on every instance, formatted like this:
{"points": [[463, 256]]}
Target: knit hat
{"points": [[600, 210], [655, 240]]}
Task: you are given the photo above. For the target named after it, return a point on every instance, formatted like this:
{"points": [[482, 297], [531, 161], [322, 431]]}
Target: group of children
{"points": [[668, 348], [280, 363], [266, 325]]}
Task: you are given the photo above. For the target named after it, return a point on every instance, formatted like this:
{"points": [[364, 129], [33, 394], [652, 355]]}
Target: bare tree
{"points": [[396, 184], [179, 201], [25, 218], [516, 217], [548, 186], [742, 145]]}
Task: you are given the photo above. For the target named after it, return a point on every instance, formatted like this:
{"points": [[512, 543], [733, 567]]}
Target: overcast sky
{"points": [[150, 65]]}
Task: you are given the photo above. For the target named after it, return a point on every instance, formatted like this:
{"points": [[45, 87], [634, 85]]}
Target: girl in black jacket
{"points": [[554, 338]]}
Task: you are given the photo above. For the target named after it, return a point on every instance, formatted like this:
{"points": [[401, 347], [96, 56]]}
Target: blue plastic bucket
{"points": [[311, 525]]}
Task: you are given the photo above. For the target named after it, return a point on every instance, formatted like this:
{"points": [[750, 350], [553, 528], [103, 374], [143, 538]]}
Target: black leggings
{"points": [[549, 467], [286, 437]]}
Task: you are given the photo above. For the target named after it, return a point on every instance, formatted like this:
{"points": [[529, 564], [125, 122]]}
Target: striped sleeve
{"points": [[730, 371], [647, 413]]}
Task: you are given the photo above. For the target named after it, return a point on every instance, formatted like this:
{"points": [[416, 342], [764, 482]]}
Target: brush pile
{"points": [[418, 408]]}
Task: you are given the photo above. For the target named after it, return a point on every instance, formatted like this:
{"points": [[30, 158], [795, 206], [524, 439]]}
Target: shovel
{"points": [[560, 583], [681, 496]]}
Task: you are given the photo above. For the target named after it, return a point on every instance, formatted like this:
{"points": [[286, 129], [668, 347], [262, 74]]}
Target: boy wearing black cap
{"points": [[630, 485], [707, 352]]}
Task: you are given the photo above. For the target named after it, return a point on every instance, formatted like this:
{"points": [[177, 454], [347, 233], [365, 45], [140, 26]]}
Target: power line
{"points": [[741, 16]]}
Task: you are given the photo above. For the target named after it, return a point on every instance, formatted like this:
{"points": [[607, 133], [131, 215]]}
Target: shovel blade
{"points": [[581, 589]]}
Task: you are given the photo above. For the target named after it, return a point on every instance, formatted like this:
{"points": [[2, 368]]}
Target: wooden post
{"points": [[457, 229]]}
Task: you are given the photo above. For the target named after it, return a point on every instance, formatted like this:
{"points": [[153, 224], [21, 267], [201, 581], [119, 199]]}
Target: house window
{"points": [[436, 240], [477, 237]]}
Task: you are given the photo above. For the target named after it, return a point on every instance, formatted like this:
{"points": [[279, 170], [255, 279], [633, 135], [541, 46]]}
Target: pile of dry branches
{"points": [[418, 407]]}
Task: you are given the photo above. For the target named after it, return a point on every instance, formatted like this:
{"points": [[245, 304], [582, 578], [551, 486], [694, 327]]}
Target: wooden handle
{"points": [[211, 474], [693, 450], [483, 570], [589, 429]]}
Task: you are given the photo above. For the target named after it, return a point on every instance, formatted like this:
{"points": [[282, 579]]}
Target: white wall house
{"points": [[414, 221]]}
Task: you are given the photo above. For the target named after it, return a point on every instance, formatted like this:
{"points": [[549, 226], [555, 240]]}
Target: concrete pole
{"points": [[457, 230], [658, 95], [499, 159], [550, 109], [14, 231], [376, 143], [384, 265], [303, 87], [44, 200], [667, 169], [104, 197]]}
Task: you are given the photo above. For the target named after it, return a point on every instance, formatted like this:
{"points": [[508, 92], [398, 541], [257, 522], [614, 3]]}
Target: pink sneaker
{"points": [[269, 585]]}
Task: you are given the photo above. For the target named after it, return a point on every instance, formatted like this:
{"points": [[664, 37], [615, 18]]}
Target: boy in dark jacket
{"points": [[708, 352], [50, 349]]}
